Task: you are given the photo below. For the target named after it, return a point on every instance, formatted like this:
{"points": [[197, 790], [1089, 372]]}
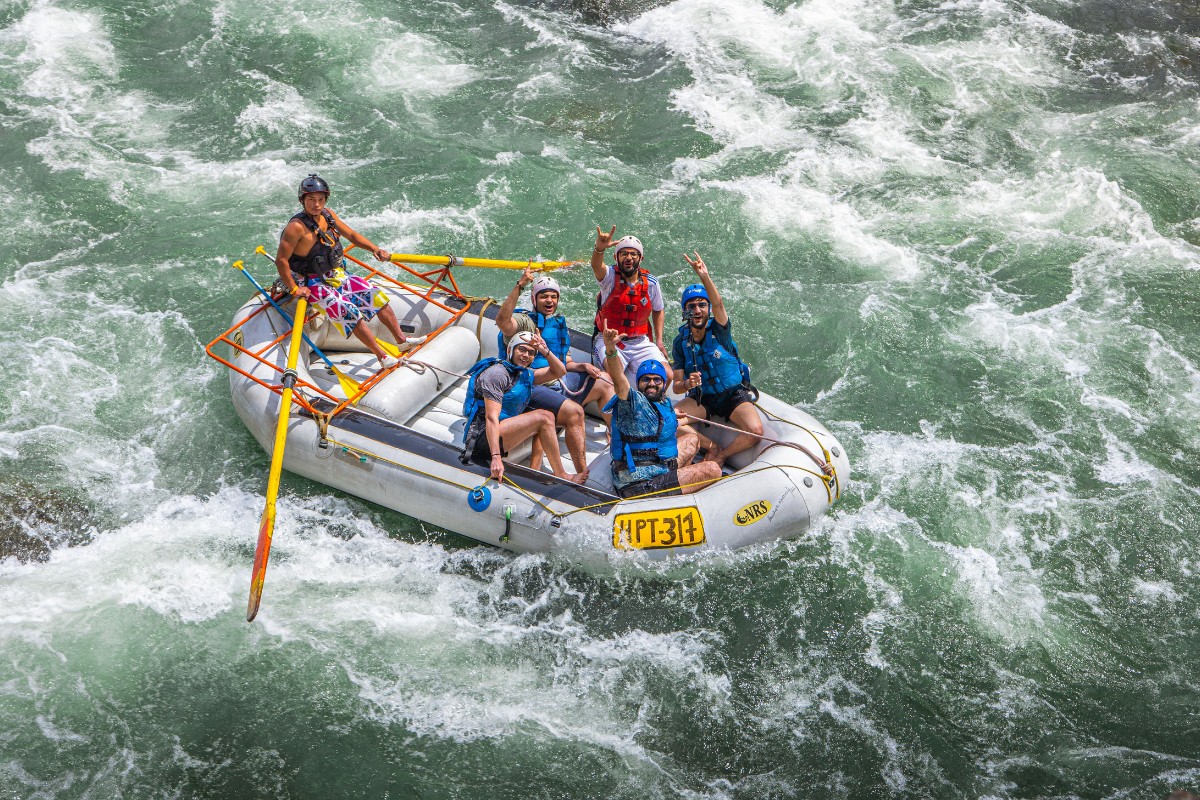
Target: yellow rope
{"points": [[825, 452], [351, 448]]}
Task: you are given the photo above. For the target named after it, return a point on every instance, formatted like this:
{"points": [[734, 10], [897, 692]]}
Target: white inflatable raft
{"points": [[399, 445]]}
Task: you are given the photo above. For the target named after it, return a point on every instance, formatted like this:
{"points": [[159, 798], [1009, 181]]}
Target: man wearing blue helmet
{"points": [[707, 366], [652, 450]]}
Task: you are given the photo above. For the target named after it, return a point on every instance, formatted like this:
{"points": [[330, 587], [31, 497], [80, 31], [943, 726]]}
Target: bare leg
{"points": [[389, 320], [570, 416], [688, 443], [535, 455], [363, 333], [746, 417], [690, 406], [541, 424], [601, 393], [695, 477]]}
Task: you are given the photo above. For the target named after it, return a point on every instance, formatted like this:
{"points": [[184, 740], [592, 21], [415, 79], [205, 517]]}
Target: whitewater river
{"points": [[965, 234]]}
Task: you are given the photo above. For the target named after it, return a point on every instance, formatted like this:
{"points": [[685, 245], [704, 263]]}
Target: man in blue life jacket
{"points": [[652, 450], [707, 367], [498, 395], [583, 383], [310, 247]]}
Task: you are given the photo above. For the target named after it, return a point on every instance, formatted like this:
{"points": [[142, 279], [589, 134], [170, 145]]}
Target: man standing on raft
{"points": [[707, 366], [630, 303], [311, 247]]}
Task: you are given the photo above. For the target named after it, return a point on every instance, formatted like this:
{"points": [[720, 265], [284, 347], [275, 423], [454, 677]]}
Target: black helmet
{"points": [[313, 183]]}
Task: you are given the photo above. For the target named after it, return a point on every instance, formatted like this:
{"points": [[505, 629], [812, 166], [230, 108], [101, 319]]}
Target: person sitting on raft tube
{"points": [[566, 397], [630, 302], [310, 246], [498, 394], [648, 442], [707, 367]]}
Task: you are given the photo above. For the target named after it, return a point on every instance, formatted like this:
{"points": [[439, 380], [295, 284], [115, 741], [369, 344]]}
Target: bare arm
{"points": [[603, 242], [491, 411], [360, 240], [715, 302], [656, 322], [287, 245], [616, 372], [504, 317]]}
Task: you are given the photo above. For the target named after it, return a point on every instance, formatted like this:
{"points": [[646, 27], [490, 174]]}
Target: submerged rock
{"points": [[35, 521]]}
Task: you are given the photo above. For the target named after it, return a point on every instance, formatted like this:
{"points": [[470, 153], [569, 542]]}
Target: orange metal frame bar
{"points": [[435, 278]]}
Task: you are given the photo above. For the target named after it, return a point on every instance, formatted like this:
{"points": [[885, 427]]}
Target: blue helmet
{"points": [[652, 367], [692, 292]]}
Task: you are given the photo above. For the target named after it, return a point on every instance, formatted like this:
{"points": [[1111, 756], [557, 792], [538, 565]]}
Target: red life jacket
{"points": [[627, 309]]}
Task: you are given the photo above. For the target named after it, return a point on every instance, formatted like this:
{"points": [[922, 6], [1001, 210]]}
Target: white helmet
{"points": [[629, 242], [543, 283], [519, 338]]}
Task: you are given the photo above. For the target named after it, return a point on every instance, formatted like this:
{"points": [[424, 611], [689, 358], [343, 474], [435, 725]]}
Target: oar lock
{"points": [[289, 378]]}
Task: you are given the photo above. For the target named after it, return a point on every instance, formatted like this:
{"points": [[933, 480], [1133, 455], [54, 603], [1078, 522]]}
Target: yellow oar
{"points": [[349, 385], [485, 263], [266, 526]]}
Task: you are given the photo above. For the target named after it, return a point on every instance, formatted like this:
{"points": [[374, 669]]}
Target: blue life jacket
{"points": [[720, 370], [515, 399], [653, 439], [553, 329]]}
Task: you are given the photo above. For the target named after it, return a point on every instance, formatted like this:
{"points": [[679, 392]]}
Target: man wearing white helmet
{"points": [[563, 397], [497, 408], [630, 303]]}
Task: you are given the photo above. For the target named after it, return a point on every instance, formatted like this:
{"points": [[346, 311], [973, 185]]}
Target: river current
{"points": [[965, 234]]}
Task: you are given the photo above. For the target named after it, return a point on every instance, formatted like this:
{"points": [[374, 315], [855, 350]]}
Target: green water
{"points": [[965, 235]]}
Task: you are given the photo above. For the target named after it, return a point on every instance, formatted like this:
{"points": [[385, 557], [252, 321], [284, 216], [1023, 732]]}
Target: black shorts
{"points": [[476, 438], [723, 404], [669, 480]]}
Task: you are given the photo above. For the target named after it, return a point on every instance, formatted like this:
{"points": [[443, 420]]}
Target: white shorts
{"points": [[632, 353]]}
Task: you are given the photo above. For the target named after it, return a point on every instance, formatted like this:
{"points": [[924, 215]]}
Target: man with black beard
{"points": [[652, 450], [707, 367], [630, 302]]}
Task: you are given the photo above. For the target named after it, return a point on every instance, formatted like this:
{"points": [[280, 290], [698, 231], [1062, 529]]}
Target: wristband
{"points": [[610, 353], [599, 249], [496, 455]]}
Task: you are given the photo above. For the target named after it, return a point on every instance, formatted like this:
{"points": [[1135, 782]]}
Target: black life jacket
{"points": [[326, 253]]}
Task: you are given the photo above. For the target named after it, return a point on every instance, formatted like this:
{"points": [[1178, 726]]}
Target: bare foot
{"points": [[714, 454], [576, 478]]}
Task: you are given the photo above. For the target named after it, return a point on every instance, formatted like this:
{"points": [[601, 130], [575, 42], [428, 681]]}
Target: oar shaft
{"points": [[482, 263], [266, 528]]}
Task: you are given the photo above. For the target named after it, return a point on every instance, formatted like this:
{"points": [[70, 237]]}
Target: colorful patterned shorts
{"points": [[346, 299]]}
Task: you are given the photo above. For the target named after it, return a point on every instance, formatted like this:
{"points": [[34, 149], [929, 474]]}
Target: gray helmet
{"points": [[313, 183]]}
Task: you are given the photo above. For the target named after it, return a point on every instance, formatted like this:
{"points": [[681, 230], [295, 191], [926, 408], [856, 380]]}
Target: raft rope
{"points": [[828, 456]]}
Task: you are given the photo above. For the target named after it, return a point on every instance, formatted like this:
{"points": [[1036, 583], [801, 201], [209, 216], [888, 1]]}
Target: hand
{"points": [[662, 349], [698, 266], [541, 345], [497, 468], [592, 370], [693, 380], [382, 255], [611, 338], [526, 276], [605, 240], [302, 291]]}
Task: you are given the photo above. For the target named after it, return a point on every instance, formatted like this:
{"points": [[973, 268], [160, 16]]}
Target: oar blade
{"points": [[266, 528], [348, 384]]}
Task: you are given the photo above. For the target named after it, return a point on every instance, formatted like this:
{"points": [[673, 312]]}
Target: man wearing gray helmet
{"points": [[310, 247], [629, 303]]}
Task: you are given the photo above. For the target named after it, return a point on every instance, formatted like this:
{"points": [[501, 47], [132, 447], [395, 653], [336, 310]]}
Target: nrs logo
{"points": [[748, 515]]}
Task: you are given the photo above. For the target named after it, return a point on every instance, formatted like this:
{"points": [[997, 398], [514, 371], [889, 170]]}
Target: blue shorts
{"points": [[573, 386]]}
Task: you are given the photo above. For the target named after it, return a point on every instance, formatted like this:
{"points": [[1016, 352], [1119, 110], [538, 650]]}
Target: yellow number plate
{"points": [[667, 527]]}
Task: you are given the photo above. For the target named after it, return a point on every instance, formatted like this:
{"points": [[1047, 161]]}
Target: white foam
{"points": [[282, 111], [1154, 591], [415, 65]]}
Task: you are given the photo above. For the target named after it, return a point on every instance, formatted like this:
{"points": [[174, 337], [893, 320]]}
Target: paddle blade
{"points": [[389, 348], [266, 527], [348, 384]]}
